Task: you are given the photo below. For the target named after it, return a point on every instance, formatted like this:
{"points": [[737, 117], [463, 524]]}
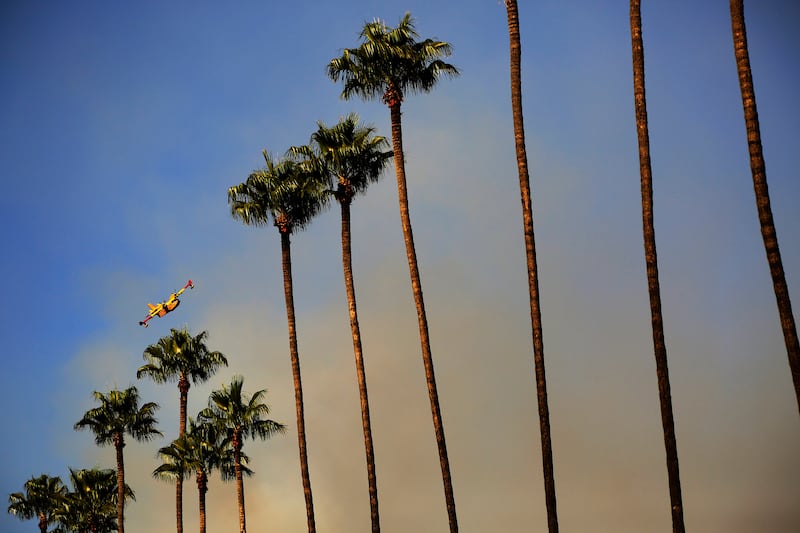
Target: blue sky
{"points": [[123, 126]]}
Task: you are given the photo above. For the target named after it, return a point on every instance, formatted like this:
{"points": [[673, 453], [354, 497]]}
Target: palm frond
{"points": [[42, 497], [285, 192], [232, 409], [350, 154], [391, 59], [180, 353], [119, 413]]}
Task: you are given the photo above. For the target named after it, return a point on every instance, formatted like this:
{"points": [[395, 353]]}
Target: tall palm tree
{"points": [[42, 497], [284, 193], [759, 172], [351, 156], [186, 359], [651, 262], [200, 450], [119, 414], [242, 417], [533, 271], [388, 64], [90, 505]]}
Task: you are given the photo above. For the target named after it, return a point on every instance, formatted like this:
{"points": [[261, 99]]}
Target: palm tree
{"points": [[759, 172], [388, 64], [42, 497], [285, 193], [176, 467], [186, 359], [351, 157], [119, 414], [242, 417], [90, 505], [201, 450], [651, 262], [533, 271]]}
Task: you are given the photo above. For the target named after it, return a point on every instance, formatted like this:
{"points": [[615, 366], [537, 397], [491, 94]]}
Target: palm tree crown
{"points": [[282, 191], [181, 355], [391, 62], [92, 503], [231, 409], [119, 413], [42, 497], [348, 155], [203, 448], [178, 459]]}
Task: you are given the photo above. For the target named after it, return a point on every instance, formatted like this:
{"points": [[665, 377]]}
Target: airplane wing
{"points": [[189, 285]]}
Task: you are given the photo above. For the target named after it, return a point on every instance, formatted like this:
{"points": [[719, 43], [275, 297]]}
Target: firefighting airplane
{"points": [[165, 307]]}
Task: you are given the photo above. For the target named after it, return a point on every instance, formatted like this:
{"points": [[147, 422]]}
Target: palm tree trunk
{"points": [[237, 467], [416, 286], [42, 523], [202, 488], [533, 271], [119, 443], [288, 292], [183, 388], [347, 266], [759, 172], [651, 261], [179, 503]]}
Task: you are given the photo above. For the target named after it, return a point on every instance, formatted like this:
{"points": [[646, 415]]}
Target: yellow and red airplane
{"points": [[166, 306]]}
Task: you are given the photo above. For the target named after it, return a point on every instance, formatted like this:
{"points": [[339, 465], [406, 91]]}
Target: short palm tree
{"points": [[91, 504], [241, 416], [651, 263], [759, 172], [388, 64], [186, 359], [351, 156], [284, 193], [176, 466], [201, 450], [43, 496], [119, 414], [533, 270]]}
